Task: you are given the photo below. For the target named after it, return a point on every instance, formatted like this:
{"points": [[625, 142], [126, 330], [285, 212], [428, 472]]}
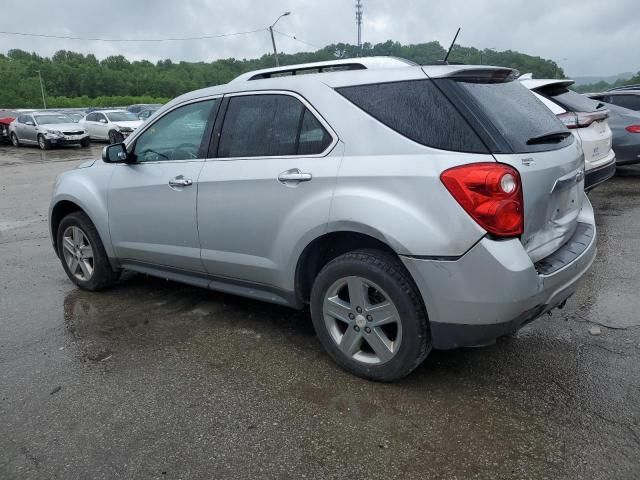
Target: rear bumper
{"points": [[596, 176], [627, 154], [494, 289]]}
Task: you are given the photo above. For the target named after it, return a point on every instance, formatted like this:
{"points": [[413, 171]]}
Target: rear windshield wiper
{"points": [[553, 137]]}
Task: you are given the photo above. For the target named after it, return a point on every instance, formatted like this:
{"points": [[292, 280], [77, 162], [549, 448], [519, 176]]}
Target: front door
{"points": [[152, 202], [271, 183]]}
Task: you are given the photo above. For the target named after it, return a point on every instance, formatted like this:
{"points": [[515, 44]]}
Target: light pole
{"points": [[273, 40], [44, 102]]}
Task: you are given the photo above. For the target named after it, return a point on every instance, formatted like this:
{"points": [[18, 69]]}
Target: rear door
{"points": [[520, 131], [272, 180], [29, 131], [152, 202]]}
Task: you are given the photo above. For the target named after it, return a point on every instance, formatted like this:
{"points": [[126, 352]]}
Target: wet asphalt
{"points": [[156, 380]]}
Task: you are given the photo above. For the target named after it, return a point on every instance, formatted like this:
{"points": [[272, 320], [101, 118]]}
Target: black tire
{"points": [[103, 275], [115, 137], [43, 143], [386, 271], [14, 140], [85, 143]]}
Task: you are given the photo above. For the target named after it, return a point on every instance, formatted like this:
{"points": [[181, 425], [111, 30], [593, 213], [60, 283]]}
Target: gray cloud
{"points": [[586, 37]]}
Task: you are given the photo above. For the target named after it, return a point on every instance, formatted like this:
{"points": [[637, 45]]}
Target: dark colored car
{"points": [[147, 112], [627, 97], [625, 126]]}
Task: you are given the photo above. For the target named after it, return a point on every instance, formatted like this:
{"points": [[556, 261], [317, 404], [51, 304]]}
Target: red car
{"points": [[4, 129]]}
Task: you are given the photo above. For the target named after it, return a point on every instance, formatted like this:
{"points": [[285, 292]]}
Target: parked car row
{"points": [[410, 207]]}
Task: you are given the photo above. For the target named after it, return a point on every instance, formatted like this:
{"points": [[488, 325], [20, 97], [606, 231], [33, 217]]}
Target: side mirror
{"points": [[116, 153], [30, 123], [102, 120]]}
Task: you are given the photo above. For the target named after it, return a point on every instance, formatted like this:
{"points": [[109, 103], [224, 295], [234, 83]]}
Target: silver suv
{"points": [[410, 207]]}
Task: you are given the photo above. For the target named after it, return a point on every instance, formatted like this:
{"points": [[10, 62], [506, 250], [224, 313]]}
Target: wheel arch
{"points": [[321, 250]]}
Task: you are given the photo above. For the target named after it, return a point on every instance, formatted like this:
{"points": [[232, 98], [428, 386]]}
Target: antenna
{"points": [[446, 57], [359, 10]]}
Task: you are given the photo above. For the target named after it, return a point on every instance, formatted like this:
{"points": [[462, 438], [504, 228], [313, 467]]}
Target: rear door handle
{"points": [[180, 181], [294, 176]]}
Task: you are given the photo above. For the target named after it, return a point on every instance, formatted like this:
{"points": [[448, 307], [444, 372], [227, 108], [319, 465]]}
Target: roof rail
{"points": [[625, 87], [363, 63]]}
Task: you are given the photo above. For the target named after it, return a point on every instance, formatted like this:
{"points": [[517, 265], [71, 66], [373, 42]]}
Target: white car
{"points": [[587, 119], [111, 125]]}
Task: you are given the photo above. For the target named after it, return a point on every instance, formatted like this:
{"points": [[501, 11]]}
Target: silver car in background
{"points": [[47, 129], [409, 207]]}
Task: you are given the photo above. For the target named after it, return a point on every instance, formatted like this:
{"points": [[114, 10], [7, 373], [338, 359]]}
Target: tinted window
{"points": [[22, 118], [178, 135], [417, 110], [514, 114], [627, 101], [314, 139], [270, 125], [570, 100], [100, 116]]}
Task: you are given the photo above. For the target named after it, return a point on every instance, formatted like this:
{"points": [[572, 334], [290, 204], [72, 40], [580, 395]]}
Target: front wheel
{"points": [[82, 253], [85, 142], [43, 143], [368, 315], [14, 140]]}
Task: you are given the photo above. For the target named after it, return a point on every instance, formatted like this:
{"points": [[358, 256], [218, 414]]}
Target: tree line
{"points": [[76, 80]]}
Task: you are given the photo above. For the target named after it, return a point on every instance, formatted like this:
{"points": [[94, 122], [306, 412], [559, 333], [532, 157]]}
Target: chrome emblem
{"points": [[528, 162]]}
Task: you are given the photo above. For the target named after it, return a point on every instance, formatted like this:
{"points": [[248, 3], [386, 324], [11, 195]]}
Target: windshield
{"points": [[121, 116], [50, 119], [76, 117]]}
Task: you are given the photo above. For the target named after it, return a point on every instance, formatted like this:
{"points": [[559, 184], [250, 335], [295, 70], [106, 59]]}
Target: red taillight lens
{"points": [[582, 119], [633, 128], [491, 193], [569, 119]]}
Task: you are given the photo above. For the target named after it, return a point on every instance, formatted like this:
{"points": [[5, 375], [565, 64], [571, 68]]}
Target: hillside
{"points": [[73, 79]]}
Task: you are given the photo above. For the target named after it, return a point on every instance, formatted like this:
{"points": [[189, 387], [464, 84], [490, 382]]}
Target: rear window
{"points": [[570, 100], [417, 110], [627, 101], [510, 110]]}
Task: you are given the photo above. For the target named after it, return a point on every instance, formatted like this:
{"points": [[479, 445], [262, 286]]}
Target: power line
{"points": [[177, 39], [296, 38]]}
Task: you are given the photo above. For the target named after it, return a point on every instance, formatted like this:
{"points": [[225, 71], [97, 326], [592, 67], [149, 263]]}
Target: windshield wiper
{"points": [[553, 137]]}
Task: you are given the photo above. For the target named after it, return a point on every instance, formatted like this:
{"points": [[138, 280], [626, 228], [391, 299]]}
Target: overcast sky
{"points": [[586, 37]]}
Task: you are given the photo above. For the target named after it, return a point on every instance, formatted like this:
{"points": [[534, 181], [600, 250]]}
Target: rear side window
{"points": [[419, 111], [510, 113], [270, 125], [627, 101]]}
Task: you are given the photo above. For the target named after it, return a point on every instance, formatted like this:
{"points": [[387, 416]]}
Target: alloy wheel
{"points": [[362, 320], [78, 253]]}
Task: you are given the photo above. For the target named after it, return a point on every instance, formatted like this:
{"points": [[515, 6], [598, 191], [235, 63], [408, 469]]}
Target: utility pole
{"points": [[44, 102], [273, 40], [359, 10]]}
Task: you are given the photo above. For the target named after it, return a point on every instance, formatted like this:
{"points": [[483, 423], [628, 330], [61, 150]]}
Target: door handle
{"points": [[294, 176], [180, 181]]}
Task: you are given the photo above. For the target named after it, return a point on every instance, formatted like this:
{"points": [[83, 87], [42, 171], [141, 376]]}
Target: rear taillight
{"points": [[633, 128], [582, 119], [491, 193]]}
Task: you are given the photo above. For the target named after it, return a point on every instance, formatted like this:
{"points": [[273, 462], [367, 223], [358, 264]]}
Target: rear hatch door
{"points": [[523, 133]]}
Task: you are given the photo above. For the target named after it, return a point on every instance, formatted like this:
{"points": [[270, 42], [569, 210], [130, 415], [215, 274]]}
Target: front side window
{"points": [[178, 135], [100, 117], [270, 125]]}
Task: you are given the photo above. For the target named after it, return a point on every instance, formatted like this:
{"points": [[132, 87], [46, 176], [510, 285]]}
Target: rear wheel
{"points": [[82, 253], [14, 140], [115, 137], [43, 143], [369, 317]]}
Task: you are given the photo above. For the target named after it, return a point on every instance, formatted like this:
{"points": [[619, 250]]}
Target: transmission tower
{"points": [[359, 10]]}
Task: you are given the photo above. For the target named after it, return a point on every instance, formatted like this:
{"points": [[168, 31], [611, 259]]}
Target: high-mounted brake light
{"points": [[633, 128], [491, 193]]}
